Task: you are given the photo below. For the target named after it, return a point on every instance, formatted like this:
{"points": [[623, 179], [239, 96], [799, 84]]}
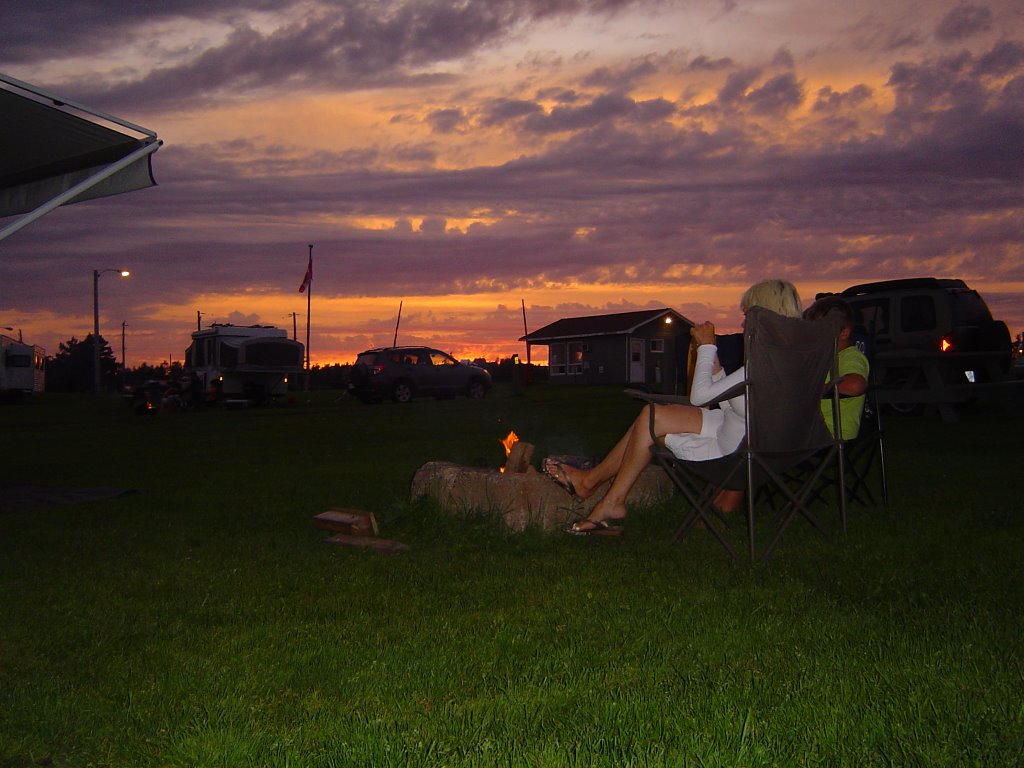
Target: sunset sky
{"points": [[463, 157]]}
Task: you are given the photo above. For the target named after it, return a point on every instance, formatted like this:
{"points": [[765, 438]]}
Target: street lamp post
{"points": [[96, 323]]}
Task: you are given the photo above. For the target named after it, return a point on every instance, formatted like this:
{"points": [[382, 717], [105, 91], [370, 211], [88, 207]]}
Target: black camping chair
{"points": [[787, 362], [863, 457]]}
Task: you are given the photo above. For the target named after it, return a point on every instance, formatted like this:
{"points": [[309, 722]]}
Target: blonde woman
{"points": [[689, 431]]}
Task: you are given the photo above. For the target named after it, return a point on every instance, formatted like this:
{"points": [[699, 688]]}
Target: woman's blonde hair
{"points": [[778, 295]]}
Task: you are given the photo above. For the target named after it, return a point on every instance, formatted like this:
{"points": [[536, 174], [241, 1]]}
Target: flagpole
{"points": [[399, 320], [309, 305]]}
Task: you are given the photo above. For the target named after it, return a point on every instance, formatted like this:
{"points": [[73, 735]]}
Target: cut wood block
{"points": [[519, 457], [355, 522], [368, 542]]}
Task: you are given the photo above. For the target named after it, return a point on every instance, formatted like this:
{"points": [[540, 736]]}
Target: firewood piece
{"points": [[368, 542], [519, 457], [354, 522]]}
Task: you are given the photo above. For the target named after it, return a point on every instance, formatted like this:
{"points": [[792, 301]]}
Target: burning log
{"points": [[519, 457]]}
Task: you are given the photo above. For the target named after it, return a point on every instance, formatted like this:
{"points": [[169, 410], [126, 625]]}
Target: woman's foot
{"points": [[588, 527], [571, 478]]}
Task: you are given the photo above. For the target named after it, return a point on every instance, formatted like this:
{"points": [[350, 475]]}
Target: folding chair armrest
{"points": [[650, 397]]}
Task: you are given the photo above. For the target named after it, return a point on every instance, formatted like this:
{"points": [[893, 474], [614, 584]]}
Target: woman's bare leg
{"points": [[584, 481], [728, 500], [630, 455]]}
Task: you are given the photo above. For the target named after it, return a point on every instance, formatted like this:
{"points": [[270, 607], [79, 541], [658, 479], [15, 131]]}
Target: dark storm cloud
{"points": [[35, 31], [963, 22], [1005, 58], [829, 101], [498, 111], [703, 63], [345, 45], [621, 78], [737, 84], [780, 94], [610, 106], [446, 120]]}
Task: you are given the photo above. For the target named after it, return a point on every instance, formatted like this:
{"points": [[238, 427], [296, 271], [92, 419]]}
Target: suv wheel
{"points": [[402, 393], [476, 390]]}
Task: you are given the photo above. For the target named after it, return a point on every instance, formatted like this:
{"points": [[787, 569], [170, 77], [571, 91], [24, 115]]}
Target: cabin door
{"points": [[636, 361]]}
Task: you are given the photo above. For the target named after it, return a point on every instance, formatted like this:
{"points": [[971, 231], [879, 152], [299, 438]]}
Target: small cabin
{"points": [[646, 348], [252, 363]]}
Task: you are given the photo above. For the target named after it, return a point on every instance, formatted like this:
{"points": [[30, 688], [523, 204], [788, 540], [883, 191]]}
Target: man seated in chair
{"points": [[853, 368], [853, 382]]}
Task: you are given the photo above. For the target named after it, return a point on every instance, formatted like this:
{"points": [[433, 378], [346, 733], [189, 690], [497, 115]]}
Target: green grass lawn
{"points": [[203, 621]]}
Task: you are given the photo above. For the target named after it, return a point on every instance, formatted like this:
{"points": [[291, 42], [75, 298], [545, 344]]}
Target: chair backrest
{"points": [[787, 362]]}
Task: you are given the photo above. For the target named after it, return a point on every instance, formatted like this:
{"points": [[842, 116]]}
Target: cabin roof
{"points": [[615, 324]]}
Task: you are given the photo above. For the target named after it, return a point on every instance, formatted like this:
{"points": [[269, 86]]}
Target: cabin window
{"points": [[575, 357], [657, 345]]}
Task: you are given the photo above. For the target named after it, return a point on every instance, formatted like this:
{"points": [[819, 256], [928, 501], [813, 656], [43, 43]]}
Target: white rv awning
{"points": [[54, 152]]}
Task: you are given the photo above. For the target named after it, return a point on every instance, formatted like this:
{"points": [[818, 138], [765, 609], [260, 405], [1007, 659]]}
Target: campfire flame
{"points": [[511, 439]]}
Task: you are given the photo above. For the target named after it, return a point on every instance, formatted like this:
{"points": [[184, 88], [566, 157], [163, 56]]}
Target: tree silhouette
{"points": [[70, 370]]}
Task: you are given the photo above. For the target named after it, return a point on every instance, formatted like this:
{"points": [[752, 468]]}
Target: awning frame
{"points": [[148, 145]]}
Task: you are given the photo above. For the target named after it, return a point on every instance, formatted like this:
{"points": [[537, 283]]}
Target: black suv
{"points": [[404, 372], [931, 316]]}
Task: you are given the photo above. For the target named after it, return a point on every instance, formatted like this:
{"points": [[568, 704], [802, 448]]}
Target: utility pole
{"points": [[124, 359]]}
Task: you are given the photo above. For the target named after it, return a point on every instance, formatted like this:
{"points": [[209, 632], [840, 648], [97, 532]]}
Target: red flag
{"points": [[308, 278]]}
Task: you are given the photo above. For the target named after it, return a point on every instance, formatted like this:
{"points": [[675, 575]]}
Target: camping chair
{"points": [[865, 452], [787, 362], [862, 455]]}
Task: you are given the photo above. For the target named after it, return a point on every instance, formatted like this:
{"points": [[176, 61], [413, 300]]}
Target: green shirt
{"points": [[851, 360]]}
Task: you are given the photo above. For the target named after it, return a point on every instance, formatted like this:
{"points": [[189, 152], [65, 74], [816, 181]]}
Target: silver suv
{"points": [[402, 373]]}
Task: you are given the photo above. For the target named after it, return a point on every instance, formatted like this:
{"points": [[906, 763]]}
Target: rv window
{"points": [[228, 356], [272, 353]]}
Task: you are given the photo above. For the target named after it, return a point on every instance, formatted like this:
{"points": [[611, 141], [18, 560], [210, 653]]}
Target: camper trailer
{"points": [[243, 363], [22, 368]]}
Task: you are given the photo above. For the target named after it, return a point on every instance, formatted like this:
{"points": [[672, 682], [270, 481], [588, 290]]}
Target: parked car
{"points": [[932, 324], [402, 373], [930, 315]]}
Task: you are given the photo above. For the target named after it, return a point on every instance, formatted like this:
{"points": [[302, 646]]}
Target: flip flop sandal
{"points": [[588, 527], [559, 477]]}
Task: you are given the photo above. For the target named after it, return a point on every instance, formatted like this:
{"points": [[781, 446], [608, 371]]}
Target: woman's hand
{"points": [[704, 333]]}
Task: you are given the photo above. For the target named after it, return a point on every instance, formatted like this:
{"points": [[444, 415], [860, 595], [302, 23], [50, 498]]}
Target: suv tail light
{"points": [[946, 344], [377, 369]]}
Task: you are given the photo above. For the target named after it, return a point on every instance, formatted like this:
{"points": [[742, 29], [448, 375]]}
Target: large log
{"points": [[521, 500]]}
